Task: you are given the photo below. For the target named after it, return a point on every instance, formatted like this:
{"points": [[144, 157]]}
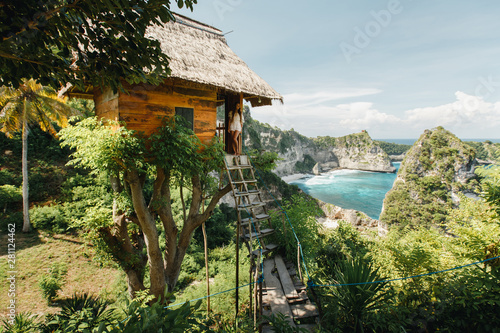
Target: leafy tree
{"points": [[82, 41], [30, 104], [142, 173]]}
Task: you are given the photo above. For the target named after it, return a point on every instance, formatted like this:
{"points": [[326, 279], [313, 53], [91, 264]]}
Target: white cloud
{"points": [[467, 111], [468, 117], [299, 100]]}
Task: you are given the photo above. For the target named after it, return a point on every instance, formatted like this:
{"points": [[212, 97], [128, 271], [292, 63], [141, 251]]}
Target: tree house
{"points": [[205, 74]]}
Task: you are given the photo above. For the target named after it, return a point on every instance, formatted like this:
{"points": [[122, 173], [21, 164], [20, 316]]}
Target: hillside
{"points": [[434, 171], [300, 154], [487, 151]]}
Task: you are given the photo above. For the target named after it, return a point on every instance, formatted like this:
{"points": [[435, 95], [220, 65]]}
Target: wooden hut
{"points": [[205, 74]]}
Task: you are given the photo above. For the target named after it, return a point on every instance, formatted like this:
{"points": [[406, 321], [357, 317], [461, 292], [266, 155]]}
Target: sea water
{"points": [[351, 189]]}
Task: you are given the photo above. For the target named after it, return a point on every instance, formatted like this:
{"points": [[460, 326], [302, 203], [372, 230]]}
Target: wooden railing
{"points": [[221, 133]]}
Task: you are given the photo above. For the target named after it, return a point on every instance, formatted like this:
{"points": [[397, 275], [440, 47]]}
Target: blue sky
{"points": [[394, 68]]}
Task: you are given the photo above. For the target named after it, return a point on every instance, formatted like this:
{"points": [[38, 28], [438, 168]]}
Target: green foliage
{"points": [[486, 150], [264, 160], [302, 212], [80, 313], [110, 148], [9, 194], [220, 227], [49, 218], [286, 142], [61, 33], [281, 324], [23, 323], [306, 165], [491, 186], [51, 282], [422, 194], [393, 148], [278, 187], [356, 301], [157, 318]]}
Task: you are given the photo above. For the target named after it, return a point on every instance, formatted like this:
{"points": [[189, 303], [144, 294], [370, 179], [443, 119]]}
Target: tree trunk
{"points": [[26, 207], [148, 227]]}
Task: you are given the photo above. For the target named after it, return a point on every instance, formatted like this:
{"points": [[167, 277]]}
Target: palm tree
{"points": [[30, 104]]}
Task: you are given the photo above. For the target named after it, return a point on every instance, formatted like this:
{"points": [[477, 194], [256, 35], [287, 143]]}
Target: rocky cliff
{"points": [[433, 172], [300, 154]]}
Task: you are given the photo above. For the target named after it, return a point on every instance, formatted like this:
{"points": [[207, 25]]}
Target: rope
{"points": [[213, 295], [312, 285], [283, 211]]}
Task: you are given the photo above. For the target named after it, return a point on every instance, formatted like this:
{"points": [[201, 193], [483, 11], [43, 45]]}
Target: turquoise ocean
{"points": [[351, 189]]}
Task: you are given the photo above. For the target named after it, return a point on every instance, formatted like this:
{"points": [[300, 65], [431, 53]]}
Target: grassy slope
{"points": [[35, 253]]}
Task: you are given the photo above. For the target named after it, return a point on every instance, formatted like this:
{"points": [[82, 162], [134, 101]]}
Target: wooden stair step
{"points": [[275, 294], [262, 233], [286, 280], [257, 218], [239, 167], [271, 247], [268, 248], [305, 310], [254, 204], [243, 193], [247, 181]]}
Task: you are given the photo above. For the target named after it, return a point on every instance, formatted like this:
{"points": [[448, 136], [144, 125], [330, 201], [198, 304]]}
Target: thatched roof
{"points": [[200, 53]]}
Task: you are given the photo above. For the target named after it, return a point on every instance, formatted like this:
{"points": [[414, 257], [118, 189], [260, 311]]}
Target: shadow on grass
{"points": [[21, 240]]}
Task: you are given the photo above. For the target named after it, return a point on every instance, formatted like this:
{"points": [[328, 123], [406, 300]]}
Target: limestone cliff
{"points": [[436, 168], [301, 154]]}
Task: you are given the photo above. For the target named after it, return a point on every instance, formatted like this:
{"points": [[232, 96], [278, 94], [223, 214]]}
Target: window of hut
{"points": [[186, 113]]}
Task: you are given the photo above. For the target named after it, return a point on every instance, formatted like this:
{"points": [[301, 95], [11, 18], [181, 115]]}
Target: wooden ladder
{"points": [[252, 211]]}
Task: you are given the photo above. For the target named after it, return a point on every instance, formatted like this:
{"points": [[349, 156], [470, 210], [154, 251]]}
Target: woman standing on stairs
{"points": [[235, 127]]}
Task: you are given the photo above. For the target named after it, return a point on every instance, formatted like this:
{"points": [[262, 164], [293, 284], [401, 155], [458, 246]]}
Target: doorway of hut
{"points": [[226, 104]]}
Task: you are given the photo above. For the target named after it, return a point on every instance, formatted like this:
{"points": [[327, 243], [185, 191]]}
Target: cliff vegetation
{"points": [[434, 171]]}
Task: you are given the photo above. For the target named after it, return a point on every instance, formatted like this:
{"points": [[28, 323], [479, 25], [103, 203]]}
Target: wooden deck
{"points": [[285, 294]]}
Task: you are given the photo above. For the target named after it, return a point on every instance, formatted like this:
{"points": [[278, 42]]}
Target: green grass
{"points": [[35, 253]]}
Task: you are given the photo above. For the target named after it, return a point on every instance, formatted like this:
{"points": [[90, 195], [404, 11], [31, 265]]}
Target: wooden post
{"points": [[298, 263], [250, 289], [206, 264], [260, 301], [237, 264], [240, 139]]}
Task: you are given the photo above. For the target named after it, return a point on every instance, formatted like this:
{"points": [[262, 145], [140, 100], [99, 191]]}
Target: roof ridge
{"points": [[181, 21]]}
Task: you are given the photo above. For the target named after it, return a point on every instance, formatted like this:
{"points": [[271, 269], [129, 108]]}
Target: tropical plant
{"points": [[80, 313], [158, 318], [358, 293], [30, 104], [22, 323]]}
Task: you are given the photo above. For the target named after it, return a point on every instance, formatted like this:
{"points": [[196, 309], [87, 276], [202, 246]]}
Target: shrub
{"points": [[9, 194], [52, 282], [158, 318], [23, 322], [80, 313], [356, 301], [49, 218]]}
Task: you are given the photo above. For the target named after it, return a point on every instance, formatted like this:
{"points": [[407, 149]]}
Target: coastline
{"points": [[296, 176]]}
